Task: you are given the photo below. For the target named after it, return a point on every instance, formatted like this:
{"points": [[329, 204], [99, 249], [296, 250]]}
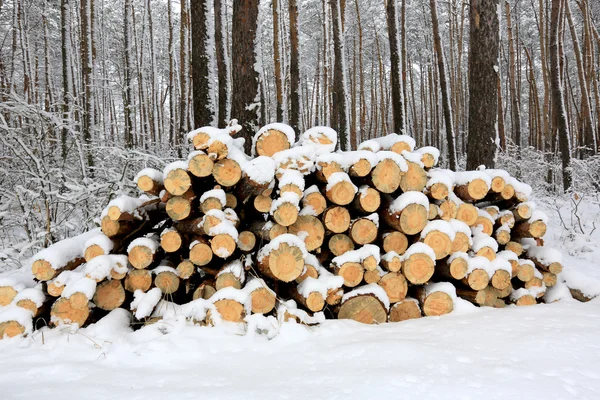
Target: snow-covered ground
{"points": [[544, 351]]}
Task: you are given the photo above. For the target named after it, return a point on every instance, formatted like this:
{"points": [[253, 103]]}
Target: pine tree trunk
{"points": [[450, 139], [483, 102], [560, 114], [86, 68], [222, 74], [396, 80], [514, 97], [339, 116], [245, 104], [203, 114], [587, 126], [66, 71], [184, 77], [294, 67], [171, 87], [127, 72]]}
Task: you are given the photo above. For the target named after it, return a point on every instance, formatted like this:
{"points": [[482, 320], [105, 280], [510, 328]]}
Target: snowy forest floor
{"points": [[544, 351]]}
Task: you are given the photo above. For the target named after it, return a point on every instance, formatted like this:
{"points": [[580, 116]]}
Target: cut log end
{"points": [[363, 231], [201, 254], [526, 300], [177, 182], [404, 310], [7, 294], [352, 272], [286, 214], [342, 193], [440, 243], [11, 329], [92, 252], [63, 312], [109, 295], [171, 241], [386, 176], [263, 300], [316, 201], [201, 165], [140, 257], [185, 269], [460, 243], [467, 213], [138, 279], [285, 263], [414, 179], [262, 203], [413, 219], [178, 208], [230, 310], [498, 184], [223, 245], [395, 241], [437, 303], [418, 269], [315, 232], [167, 282], [227, 172], [501, 279], [477, 189], [515, 247], [478, 279], [439, 191], [366, 309], [340, 244], [395, 286], [368, 200], [271, 142], [337, 219], [246, 241]]}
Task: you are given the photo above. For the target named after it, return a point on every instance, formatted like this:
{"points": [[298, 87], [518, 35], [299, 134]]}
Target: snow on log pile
{"points": [[297, 230]]}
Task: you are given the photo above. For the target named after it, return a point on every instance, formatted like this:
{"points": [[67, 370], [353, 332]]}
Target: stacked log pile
{"points": [[297, 230]]}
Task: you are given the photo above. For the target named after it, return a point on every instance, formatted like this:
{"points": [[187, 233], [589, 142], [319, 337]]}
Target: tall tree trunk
{"points": [[558, 104], [222, 73], [404, 71], [127, 74], [184, 76], [587, 126], [203, 113], [447, 108], [245, 104], [339, 117], [294, 67], [277, 62], [65, 22], [483, 103], [86, 68], [397, 91], [514, 96], [171, 87]]}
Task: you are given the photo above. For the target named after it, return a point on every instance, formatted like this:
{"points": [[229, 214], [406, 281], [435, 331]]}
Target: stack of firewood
{"points": [[297, 230]]}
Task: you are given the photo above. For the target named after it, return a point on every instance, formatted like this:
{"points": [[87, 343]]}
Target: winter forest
{"points": [[382, 198], [93, 90]]}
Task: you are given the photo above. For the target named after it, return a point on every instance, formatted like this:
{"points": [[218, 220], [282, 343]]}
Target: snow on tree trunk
{"points": [[560, 113], [451, 141], [245, 104], [294, 67], [203, 110], [339, 117], [484, 39], [397, 91], [222, 73]]}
